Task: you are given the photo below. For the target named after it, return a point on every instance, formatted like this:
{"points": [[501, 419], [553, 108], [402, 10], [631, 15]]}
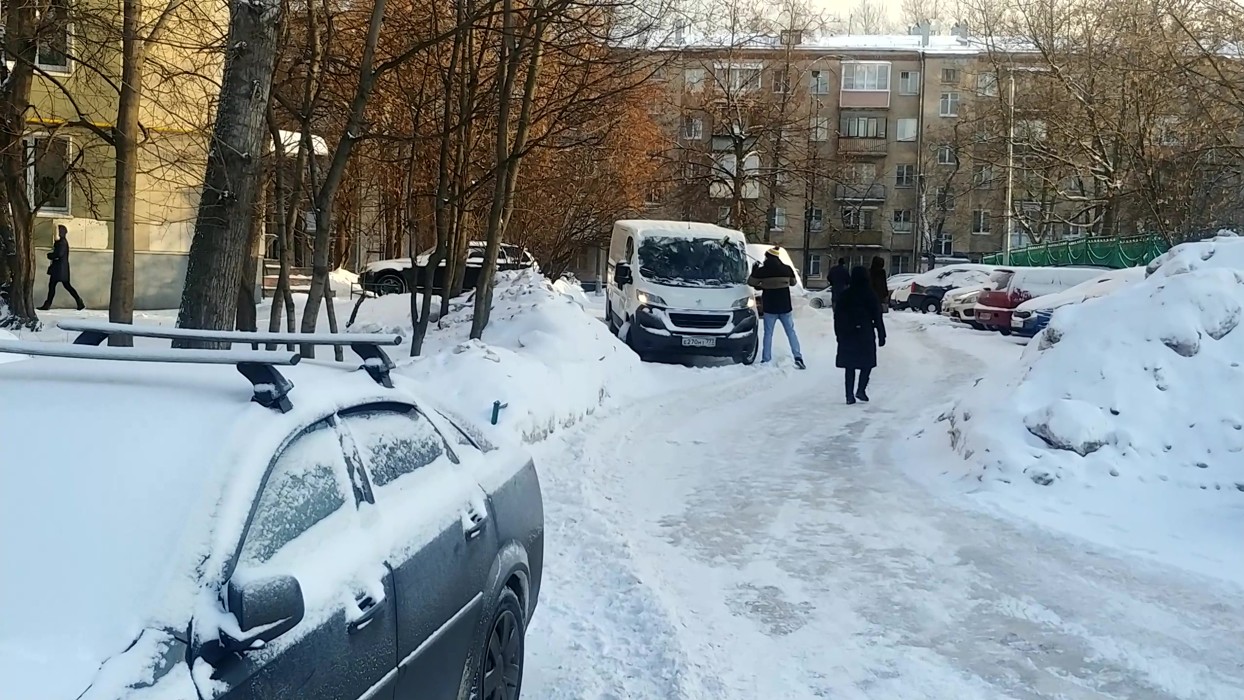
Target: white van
{"points": [[680, 288]]}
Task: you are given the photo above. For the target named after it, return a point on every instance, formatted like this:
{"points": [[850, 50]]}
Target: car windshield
{"points": [[692, 262], [1001, 279]]}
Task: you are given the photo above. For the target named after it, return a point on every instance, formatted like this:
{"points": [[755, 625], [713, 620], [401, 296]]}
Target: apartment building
{"points": [[844, 146]]}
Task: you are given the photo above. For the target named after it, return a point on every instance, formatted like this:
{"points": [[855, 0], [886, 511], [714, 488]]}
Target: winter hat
{"points": [[774, 251]]}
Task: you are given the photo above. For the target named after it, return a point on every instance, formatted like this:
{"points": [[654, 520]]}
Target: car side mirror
{"points": [[265, 609], [622, 275]]}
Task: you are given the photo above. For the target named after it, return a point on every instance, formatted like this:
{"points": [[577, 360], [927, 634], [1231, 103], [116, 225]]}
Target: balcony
{"points": [[874, 192], [863, 238], [863, 147]]}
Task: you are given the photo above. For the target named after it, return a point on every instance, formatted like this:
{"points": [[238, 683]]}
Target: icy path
{"points": [[753, 539]]}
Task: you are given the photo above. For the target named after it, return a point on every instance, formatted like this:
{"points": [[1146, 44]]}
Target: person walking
{"points": [[775, 278], [877, 276], [838, 279], [859, 329], [58, 270]]}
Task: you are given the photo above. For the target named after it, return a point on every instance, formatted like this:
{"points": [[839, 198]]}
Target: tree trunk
{"points": [[125, 143], [248, 314], [222, 229], [16, 216]]}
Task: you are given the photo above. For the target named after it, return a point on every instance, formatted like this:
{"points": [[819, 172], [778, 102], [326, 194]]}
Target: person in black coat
{"points": [[839, 278], [775, 278], [58, 270], [859, 329]]}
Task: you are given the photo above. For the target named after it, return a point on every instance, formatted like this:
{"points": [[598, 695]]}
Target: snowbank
{"points": [[543, 356], [1142, 385]]}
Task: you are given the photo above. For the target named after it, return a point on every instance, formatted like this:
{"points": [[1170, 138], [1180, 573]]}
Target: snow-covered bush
{"points": [[1146, 383]]}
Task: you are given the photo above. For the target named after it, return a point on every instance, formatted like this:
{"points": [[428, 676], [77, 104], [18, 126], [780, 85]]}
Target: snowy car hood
{"points": [[394, 264], [696, 298]]}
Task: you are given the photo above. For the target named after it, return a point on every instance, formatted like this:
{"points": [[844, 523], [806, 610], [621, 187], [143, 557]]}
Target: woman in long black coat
{"points": [[859, 329], [58, 270]]}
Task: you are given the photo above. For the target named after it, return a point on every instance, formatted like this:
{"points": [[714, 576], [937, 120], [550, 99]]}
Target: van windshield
{"points": [[692, 262]]}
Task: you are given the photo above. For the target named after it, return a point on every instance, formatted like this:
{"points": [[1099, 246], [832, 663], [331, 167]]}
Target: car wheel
{"points": [[613, 327], [749, 357], [499, 658], [630, 342], [817, 303], [390, 283], [931, 306]]}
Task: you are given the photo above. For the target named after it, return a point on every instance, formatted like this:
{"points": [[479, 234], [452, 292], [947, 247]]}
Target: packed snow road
{"points": [[754, 538]]}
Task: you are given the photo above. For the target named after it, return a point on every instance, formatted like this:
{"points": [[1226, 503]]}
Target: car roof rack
{"points": [[259, 366], [366, 345]]}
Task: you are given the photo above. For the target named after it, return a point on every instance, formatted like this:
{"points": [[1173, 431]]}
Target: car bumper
{"points": [[739, 341], [993, 318], [1028, 327]]}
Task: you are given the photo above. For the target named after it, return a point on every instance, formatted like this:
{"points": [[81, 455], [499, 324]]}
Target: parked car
{"points": [[393, 276], [927, 289], [1013, 286], [959, 304], [900, 289], [680, 288], [1032, 316], [312, 533]]}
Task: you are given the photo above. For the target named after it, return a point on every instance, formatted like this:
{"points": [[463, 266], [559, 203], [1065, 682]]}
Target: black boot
{"points": [[850, 378], [860, 393]]}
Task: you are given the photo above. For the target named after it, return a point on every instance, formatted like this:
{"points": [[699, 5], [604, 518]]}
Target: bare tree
{"points": [[867, 17]]}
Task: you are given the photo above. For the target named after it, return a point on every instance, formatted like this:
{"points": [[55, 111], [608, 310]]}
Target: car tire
{"points": [[630, 342], [817, 303], [749, 358], [613, 327], [389, 283], [498, 673], [931, 307]]}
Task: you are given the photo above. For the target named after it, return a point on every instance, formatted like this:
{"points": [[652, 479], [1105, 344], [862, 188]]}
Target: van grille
{"points": [[706, 321]]}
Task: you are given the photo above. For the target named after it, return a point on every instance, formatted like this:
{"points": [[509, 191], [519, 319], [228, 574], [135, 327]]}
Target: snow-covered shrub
{"points": [[1146, 383]]}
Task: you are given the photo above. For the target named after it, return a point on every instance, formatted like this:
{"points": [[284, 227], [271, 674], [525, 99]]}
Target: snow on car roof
{"points": [[121, 478], [958, 274], [680, 229], [1098, 286]]}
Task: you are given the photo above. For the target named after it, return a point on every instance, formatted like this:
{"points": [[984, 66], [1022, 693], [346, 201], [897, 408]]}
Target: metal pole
{"points": [[1010, 173]]}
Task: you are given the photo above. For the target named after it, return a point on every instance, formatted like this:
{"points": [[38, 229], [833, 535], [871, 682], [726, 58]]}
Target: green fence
{"points": [[1116, 253]]}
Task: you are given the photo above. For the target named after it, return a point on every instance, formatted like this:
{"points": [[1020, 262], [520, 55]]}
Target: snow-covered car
{"points": [[198, 535], [897, 284], [960, 304], [392, 276], [1013, 286], [1032, 316], [928, 288], [900, 289]]}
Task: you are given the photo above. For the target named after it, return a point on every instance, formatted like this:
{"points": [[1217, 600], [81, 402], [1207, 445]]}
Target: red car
{"points": [[1011, 287]]}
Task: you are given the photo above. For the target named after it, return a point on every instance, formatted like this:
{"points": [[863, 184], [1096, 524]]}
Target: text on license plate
{"points": [[699, 342]]}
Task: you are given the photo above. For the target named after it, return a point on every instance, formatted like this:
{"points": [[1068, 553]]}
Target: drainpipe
{"points": [[919, 223]]}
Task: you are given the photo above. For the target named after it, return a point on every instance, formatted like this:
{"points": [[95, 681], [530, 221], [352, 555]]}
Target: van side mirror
{"points": [[622, 275], [265, 608]]}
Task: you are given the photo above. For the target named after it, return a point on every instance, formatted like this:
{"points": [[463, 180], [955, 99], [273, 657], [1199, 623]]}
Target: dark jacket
{"points": [[877, 276], [58, 269], [774, 278], [857, 323], [839, 278]]}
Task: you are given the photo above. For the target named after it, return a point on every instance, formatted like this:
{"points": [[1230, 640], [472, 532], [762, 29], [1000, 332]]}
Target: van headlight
{"points": [[650, 299], [747, 302]]}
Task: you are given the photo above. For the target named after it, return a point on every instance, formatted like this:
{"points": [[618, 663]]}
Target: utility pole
{"points": [[1008, 224]]}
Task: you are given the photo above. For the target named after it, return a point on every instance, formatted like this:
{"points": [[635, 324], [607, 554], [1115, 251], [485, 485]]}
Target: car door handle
{"points": [[369, 608], [473, 524]]}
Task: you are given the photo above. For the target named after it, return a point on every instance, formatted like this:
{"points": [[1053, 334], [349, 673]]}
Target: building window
{"points": [[48, 173], [987, 84], [943, 243], [692, 171], [860, 173], [858, 127], [693, 128], [816, 219], [946, 155], [1029, 130], [694, 79], [950, 76], [854, 219], [980, 221], [899, 264], [723, 216], [909, 82], [779, 219], [907, 129], [741, 78], [820, 128], [902, 221], [949, 105], [655, 194], [781, 81], [982, 177], [905, 175], [818, 82], [814, 266], [945, 199], [53, 50], [872, 77]]}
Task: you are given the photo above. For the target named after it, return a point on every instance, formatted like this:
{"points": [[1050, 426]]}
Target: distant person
{"points": [[877, 276], [775, 278], [859, 329], [839, 278], [58, 270]]}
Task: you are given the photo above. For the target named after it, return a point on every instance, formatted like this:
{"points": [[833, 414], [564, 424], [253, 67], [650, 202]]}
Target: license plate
{"points": [[699, 342]]}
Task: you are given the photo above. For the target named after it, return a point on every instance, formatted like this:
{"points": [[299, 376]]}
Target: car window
{"points": [[306, 485], [393, 443], [1000, 280], [465, 434]]}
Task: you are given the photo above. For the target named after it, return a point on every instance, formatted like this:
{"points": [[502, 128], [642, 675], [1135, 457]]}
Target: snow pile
{"points": [[1143, 384], [545, 359]]}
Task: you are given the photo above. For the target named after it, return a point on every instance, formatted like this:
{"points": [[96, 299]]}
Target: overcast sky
{"points": [[843, 7]]}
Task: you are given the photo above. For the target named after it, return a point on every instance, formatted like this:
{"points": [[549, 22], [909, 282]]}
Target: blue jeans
{"points": [[788, 324]]}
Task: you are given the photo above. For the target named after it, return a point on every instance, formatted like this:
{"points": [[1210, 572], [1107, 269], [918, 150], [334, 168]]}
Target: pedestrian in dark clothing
{"points": [[839, 278], [775, 278], [58, 270], [877, 276], [859, 329]]}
